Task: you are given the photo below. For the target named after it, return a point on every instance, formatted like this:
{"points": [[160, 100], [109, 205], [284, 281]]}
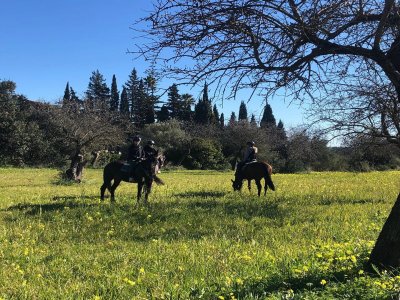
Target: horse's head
{"points": [[161, 160], [237, 184], [155, 162]]}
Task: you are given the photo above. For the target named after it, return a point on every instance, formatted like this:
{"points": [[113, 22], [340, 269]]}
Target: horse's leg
{"points": [[113, 188], [265, 187], [249, 184], [147, 191], [139, 191], [258, 183], [102, 191]]}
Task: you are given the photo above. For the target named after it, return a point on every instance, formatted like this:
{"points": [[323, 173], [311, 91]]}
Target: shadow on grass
{"points": [[175, 220], [350, 201], [259, 289], [32, 209]]}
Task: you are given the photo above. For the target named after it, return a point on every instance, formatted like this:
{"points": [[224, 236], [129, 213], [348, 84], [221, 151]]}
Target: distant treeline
{"points": [[39, 134]]}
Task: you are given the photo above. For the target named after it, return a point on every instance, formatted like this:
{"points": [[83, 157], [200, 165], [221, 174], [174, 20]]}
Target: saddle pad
{"points": [[126, 168]]}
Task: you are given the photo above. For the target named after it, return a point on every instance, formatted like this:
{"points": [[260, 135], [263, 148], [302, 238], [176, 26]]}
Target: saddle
{"points": [[128, 167], [250, 162]]}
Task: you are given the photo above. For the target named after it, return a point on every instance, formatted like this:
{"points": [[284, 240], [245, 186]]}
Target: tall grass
{"points": [[198, 239]]}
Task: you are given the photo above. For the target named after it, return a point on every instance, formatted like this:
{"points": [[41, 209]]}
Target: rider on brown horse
{"points": [[250, 155]]}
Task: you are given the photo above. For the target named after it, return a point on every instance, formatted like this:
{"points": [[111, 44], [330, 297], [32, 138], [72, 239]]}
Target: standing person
{"points": [[250, 154], [135, 155]]}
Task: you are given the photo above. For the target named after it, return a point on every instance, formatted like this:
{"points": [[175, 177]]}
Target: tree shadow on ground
{"points": [[340, 201], [259, 289], [32, 209], [202, 194]]}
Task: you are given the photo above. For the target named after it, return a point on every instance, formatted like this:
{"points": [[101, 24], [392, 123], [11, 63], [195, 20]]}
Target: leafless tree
{"points": [[303, 46], [86, 129]]}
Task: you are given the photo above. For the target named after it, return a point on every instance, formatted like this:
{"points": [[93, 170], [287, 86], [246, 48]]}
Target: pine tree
{"points": [[139, 107], [124, 104], [242, 112], [132, 86], [268, 119], [151, 99], [114, 99], [98, 92]]}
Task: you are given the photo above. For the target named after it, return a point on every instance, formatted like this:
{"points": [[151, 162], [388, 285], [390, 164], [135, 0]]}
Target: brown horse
{"points": [[257, 171], [144, 174]]}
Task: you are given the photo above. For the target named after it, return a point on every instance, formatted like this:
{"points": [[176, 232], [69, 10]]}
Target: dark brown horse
{"points": [[257, 171], [145, 172]]}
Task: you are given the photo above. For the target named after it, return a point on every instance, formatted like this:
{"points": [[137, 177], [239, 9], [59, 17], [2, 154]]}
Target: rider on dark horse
{"points": [[135, 155], [250, 155]]}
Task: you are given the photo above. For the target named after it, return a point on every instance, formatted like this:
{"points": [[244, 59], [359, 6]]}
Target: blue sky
{"points": [[45, 44]]}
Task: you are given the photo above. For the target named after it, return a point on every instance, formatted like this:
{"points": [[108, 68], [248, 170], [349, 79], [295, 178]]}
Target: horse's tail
{"points": [[158, 180], [267, 176]]}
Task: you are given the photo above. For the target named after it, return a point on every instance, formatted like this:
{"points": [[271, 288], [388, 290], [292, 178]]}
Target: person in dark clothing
{"points": [[135, 151], [149, 149], [250, 155], [135, 155]]}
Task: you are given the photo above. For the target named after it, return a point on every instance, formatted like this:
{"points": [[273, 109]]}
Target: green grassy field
{"points": [[199, 239]]}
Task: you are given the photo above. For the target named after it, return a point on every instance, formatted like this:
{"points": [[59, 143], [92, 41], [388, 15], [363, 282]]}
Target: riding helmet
{"points": [[136, 138], [151, 142], [251, 143]]}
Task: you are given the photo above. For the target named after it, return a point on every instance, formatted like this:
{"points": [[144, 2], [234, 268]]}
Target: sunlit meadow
{"points": [[199, 239]]}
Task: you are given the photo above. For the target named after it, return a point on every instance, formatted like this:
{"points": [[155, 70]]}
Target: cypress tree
{"points": [[222, 120], [232, 119], [242, 112], [203, 111], [215, 114], [67, 93], [124, 104], [173, 102], [73, 96], [114, 99], [268, 119]]}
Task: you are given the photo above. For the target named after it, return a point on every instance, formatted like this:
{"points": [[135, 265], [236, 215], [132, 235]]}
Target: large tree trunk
{"points": [[75, 170], [386, 253]]}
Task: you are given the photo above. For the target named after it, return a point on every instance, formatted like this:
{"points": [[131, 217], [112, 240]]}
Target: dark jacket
{"points": [[135, 152], [149, 151]]}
